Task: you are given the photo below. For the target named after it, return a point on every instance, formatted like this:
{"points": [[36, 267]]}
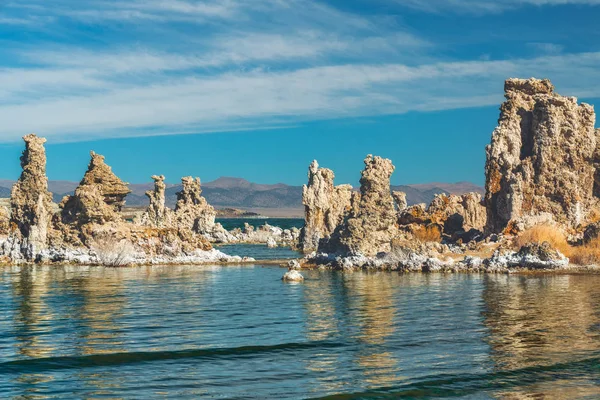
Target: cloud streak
{"points": [[243, 100], [485, 6], [171, 67]]}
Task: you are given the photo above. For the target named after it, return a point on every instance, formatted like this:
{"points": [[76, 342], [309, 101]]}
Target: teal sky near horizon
{"points": [[258, 89]]}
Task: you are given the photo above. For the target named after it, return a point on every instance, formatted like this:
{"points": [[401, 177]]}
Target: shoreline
{"points": [[570, 269]]}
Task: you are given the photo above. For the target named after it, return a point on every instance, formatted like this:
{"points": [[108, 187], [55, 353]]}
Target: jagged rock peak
{"points": [[528, 87], [192, 211], [325, 206], [373, 223], [191, 191], [31, 202], [98, 199], [375, 178], [157, 214], [540, 157], [112, 188]]}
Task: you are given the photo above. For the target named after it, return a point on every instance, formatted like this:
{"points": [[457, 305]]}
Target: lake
{"points": [[239, 332], [283, 223]]}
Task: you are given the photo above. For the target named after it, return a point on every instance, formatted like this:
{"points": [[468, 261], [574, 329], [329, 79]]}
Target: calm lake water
{"points": [[260, 252], [283, 223], [239, 332]]}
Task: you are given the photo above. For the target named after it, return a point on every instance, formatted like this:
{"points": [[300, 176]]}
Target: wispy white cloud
{"points": [[546, 48], [485, 6], [181, 66], [248, 99], [158, 10]]}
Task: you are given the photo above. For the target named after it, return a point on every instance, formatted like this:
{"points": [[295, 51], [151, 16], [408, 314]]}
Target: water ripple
{"points": [[239, 332]]}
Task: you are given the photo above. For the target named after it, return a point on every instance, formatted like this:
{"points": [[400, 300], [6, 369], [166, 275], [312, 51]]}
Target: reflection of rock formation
{"points": [[100, 330], [540, 320], [373, 302], [539, 160], [31, 286], [324, 206], [322, 324], [31, 201]]}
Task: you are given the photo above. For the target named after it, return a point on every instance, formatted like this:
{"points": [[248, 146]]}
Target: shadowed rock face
{"points": [[30, 199], [540, 157], [324, 205], [157, 214], [192, 211], [373, 222]]}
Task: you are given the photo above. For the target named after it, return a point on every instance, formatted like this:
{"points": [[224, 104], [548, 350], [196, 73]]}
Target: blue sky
{"points": [[259, 88]]}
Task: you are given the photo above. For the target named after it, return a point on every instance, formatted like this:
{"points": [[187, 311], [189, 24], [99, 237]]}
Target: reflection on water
{"points": [[188, 332], [546, 320], [372, 301]]}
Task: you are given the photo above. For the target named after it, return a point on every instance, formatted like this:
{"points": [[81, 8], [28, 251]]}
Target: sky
{"points": [[257, 89]]}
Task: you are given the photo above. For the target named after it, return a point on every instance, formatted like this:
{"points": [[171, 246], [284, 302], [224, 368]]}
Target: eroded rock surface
{"points": [[113, 189], [373, 221], [4, 220], [458, 213], [31, 202], [97, 200], [400, 199], [192, 210], [325, 206], [540, 157], [157, 214]]}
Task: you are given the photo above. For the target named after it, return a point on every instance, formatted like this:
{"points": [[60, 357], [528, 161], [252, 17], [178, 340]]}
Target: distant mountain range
{"points": [[242, 194]]}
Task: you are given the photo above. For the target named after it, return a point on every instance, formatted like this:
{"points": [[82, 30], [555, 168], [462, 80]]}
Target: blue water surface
{"points": [[240, 332]]}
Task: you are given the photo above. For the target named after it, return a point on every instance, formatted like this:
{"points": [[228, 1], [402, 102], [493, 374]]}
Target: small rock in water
{"points": [[271, 243], [293, 276]]}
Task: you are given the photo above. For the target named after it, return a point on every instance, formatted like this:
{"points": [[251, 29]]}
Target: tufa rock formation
{"points": [[157, 214], [4, 220], [540, 159], [31, 202], [113, 189], [99, 197], [372, 224], [458, 213], [192, 210], [400, 200], [324, 206]]}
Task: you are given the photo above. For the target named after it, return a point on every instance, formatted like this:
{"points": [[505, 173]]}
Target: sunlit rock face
{"points": [[372, 223], [113, 189], [192, 211], [157, 214], [31, 202], [400, 199], [457, 213], [4, 220], [324, 206], [540, 159], [99, 197]]}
